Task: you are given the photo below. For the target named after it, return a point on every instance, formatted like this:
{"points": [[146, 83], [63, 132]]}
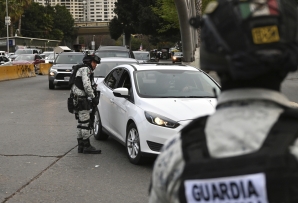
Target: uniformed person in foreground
{"points": [[83, 92], [246, 152]]}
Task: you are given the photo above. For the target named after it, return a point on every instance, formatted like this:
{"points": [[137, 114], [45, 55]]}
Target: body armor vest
{"points": [[79, 83], [268, 175]]}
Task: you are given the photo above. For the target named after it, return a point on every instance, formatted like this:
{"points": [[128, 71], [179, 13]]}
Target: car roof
{"points": [[140, 51], [163, 66], [71, 53], [115, 59], [28, 54], [112, 48]]}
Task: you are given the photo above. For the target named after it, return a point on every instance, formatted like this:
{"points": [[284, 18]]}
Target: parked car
{"points": [[61, 69], [177, 57], [24, 51], [114, 51], [3, 53], [143, 105], [28, 59], [47, 53], [3, 60], [50, 58]]}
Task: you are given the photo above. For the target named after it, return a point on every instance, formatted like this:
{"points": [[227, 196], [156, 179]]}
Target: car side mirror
{"points": [[121, 92]]}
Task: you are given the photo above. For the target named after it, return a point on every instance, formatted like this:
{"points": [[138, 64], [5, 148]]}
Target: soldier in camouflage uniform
{"points": [[244, 151], [84, 97]]}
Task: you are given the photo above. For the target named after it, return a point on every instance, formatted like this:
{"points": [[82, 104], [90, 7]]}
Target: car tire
{"points": [[133, 149], [99, 134], [173, 61], [51, 85]]}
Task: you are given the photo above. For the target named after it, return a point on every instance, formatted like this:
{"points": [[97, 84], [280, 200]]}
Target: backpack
{"points": [[73, 74]]}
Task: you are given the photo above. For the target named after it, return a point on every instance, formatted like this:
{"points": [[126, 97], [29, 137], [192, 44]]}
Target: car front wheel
{"points": [[98, 132], [133, 148], [51, 85]]}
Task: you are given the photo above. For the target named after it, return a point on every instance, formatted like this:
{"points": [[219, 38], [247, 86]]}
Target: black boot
{"points": [[89, 149], [80, 145]]}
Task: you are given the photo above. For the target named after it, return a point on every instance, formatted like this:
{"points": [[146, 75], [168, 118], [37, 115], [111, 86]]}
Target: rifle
{"points": [[93, 109]]}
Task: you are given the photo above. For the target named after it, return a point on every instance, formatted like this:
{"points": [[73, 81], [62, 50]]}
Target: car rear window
{"points": [[69, 59], [109, 53]]}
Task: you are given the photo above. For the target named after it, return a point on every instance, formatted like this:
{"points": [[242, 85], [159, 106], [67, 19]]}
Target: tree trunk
{"points": [[19, 27]]}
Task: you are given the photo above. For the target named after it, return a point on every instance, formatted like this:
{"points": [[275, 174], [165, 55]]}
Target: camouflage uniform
{"points": [[229, 132], [83, 115]]}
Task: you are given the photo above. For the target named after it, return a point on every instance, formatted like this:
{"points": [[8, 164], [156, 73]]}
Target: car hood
{"points": [[62, 66], [179, 109]]}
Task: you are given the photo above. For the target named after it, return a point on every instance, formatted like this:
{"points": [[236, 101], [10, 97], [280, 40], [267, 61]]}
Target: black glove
{"points": [[95, 101]]}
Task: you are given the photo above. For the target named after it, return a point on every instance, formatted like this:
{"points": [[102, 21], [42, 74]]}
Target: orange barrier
{"points": [[43, 68], [16, 72]]}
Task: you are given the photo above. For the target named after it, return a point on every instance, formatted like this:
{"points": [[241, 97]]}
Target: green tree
{"points": [[24, 4], [137, 17], [46, 22], [166, 10], [64, 22], [37, 21]]}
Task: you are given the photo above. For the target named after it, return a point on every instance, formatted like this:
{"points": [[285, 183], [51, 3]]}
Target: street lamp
{"points": [[84, 17], [7, 22], [93, 43]]}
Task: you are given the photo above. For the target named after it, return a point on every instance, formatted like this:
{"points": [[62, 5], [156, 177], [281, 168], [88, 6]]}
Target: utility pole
{"points": [[7, 22]]}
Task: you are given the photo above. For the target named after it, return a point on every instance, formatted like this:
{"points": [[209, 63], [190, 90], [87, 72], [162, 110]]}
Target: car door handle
{"points": [[112, 100]]}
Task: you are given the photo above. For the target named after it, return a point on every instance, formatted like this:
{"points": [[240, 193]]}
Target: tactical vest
{"points": [[268, 175], [79, 82]]}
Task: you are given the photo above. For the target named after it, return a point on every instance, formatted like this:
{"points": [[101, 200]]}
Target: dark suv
{"points": [[60, 72], [114, 51]]}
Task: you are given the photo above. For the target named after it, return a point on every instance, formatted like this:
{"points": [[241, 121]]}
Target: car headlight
{"points": [[174, 57], [52, 72], [160, 120]]}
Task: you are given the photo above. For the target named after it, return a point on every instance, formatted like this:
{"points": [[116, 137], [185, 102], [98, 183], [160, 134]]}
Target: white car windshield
{"points": [[25, 58], [109, 53], [69, 59], [23, 51], [50, 57], [175, 84]]}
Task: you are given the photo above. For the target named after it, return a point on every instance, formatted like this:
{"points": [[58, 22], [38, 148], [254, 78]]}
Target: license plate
{"points": [[265, 35], [66, 78]]}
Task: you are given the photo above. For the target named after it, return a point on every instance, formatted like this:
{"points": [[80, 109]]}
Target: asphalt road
{"points": [[38, 153]]}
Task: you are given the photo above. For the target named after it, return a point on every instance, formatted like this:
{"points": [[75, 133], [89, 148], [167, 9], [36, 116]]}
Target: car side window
{"points": [[125, 81], [113, 77]]}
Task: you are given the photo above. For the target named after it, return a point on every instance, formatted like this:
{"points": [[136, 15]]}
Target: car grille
{"points": [[64, 70], [154, 146], [60, 76]]}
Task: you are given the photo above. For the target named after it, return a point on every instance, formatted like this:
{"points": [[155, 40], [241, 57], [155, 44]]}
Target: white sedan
{"points": [[143, 105]]}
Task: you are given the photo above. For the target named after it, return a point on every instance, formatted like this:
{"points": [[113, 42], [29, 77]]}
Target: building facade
{"points": [[86, 10]]}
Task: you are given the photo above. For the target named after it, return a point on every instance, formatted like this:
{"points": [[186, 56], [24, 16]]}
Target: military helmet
{"points": [[248, 38], [89, 58]]}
